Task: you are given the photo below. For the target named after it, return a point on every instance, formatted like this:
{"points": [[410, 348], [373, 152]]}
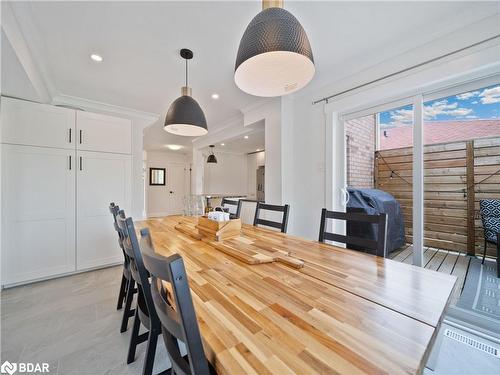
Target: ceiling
{"points": [[140, 42], [241, 145]]}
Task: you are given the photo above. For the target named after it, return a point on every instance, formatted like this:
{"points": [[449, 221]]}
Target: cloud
{"points": [[467, 95], [475, 102], [470, 116], [459, 112], [490, 96]]}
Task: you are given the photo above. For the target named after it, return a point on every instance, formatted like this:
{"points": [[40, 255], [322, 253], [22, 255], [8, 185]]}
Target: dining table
{"points": [[304, 307]]}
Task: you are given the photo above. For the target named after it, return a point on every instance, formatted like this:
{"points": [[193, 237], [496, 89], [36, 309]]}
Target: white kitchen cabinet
{"points": [[103, 133], [38, 212], [34, 124], [101, 178]]}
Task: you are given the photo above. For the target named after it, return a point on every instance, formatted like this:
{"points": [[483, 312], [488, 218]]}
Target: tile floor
{"points": [[72, 324]]}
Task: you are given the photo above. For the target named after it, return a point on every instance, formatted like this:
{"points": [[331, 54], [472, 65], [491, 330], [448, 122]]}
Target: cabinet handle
{"points": [[70, 162], [81, 136], [69, 135], [81, 163]]}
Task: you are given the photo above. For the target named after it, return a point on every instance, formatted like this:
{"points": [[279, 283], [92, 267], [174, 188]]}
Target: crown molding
{"points": [[94, 105]]}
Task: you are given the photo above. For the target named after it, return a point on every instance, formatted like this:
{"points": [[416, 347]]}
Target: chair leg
{"points": [[123, 292], [149, 358], [484, 254], [134, 338], [128, 303]]}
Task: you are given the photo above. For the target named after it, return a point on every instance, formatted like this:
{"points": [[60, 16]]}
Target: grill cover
{"points": [[373, 202]]}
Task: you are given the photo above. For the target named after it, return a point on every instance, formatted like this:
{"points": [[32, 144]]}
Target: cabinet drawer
{"points": [[34, 124], [96, 132]]}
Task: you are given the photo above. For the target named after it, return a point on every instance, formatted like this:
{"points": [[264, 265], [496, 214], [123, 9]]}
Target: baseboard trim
{"points": [[33, 281]]}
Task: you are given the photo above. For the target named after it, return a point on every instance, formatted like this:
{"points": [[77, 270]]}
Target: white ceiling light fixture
{"points": [[96, 57], [246, 137], [257, 150], [215, 96], [274, 57], [222, 144], [174, 147]]}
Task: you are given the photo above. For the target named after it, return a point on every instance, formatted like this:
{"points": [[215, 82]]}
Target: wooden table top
{"points": [[342, 312]]}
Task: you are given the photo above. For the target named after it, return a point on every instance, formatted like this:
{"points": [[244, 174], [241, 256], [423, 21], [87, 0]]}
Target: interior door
{"points": [[96, 132], [38, 212], [101, 178], [176, 180]]}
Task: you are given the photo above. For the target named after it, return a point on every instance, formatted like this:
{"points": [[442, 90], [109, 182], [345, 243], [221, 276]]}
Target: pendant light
{"points": [[274, 57], [211, 158], [185, 116]]}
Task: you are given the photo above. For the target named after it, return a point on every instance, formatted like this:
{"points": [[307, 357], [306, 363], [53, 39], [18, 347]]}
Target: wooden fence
{"points": [[456, 176]]}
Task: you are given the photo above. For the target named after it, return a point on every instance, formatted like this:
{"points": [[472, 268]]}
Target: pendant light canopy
{"points": [[274, 57], [185, 116], [211, 158]]}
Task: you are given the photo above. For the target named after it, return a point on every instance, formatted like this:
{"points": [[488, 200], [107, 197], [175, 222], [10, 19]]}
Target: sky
{"points": [[472, 105]]}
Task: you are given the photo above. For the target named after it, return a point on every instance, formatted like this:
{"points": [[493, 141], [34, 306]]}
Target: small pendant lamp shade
{"points": [[185, 116], [274, 57], [211, 158]]}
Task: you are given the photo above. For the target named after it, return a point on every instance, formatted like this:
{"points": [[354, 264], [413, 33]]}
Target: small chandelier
{"points": [[185, 116], [211, 158]]}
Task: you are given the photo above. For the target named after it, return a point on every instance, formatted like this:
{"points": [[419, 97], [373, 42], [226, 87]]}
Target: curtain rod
{"points": [[326, 98]]}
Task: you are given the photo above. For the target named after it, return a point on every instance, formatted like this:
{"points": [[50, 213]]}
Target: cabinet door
{"points": [[38, 212], [98, 132], [33, 124], [101, 178]]}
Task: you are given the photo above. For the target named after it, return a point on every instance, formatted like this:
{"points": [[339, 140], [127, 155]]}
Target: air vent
{"points": [[491, 350]]}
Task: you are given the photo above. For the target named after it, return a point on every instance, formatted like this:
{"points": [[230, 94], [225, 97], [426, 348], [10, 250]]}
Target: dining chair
{"points": [[490, 217], [282, 225], [145, 312], [127, 286], [174, 306], [232, 203], [376, 247]]}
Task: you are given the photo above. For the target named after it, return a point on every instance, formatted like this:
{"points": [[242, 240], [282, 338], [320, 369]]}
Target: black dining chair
{"points": [[490, 218], [145, 312], [127, 286], [373, 246], [282, 225], [174, 306], [229, 203]]}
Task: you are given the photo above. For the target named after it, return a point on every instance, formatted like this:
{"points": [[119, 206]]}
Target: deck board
{"points": [[440, 260]]}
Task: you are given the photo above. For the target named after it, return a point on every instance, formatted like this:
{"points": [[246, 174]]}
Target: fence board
{"points": [[448, 221]]}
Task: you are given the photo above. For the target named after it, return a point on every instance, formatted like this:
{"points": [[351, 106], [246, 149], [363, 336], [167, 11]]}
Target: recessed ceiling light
{"points": [[246, 137], [215, 96], [222, 144], [258, 150], [174, 147], [95, 57]]}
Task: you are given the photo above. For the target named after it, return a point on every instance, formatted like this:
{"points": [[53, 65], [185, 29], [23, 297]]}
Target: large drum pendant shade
{"points": [[274, 57]]}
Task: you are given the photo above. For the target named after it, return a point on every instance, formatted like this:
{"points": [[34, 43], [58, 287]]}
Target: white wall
{"points": [[158, 197], [228, 176], [254, 161]]}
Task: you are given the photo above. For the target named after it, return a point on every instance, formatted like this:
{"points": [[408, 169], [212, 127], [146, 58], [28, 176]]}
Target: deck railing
{"points": [[456, 176]]}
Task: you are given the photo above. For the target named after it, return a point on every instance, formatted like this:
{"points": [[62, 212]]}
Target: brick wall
{"points": [[360, 143]]}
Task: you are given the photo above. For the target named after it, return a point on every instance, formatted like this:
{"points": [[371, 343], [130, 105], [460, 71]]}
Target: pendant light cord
{"points": [[186, 72]]}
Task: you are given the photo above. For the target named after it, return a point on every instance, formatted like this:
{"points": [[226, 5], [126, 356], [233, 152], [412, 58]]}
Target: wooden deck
{"points": [[440, 260]]}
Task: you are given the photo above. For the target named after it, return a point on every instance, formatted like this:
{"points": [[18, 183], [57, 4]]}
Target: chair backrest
{"points": [[175, 309], [139, 273], [490, 216], [115, 209], [376, 247], [282, 226], [232, 203]]}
